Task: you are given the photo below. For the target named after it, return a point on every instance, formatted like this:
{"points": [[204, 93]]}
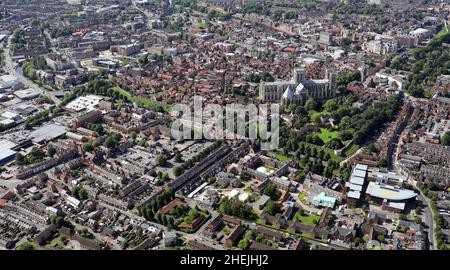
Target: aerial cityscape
{"points": [[224, 125]]}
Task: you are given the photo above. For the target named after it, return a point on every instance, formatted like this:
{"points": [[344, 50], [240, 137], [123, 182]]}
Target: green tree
{"points": [[110, 143], [25, 246], [244, 176], [82, 194], [178, 157], [211, 180], [244, 244], [328, 172], [160, 160], [158, 217], [20, 159], [272, 191], [272, 208], [418, 220], [51, 151], [87, 147], [418, 210], [165, 176], [177, 171], [382, 162], [310, 104], [446, 138], [133, 135]]}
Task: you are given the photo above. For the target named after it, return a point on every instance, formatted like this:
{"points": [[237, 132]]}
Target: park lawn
{"points": [[26, 246], [333, 156], [351, 150], [125, 60], [202, 25], [443, 32], [313, 114], [226, 230], [301, 197], [278, 155], [427, 95], [327, 135], [150, 104], [56, 242], [310, 219]]}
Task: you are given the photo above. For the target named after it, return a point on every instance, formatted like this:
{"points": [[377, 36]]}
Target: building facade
{"points": [[299, 89]]}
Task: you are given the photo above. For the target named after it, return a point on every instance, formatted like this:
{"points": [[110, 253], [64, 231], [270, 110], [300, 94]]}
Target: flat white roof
{"points": [[27, 93], [361, 167], [353, 186], [357, 180], [197, 190], [419, 31], [243, 197], [389, 175], [384, 191], [5, 144], [9, 115], [84, 103], [233, 193], [72, 200], [354, 194], [359, 173], [396, 205], [32, 190], [8, 78], [7, 122], [6, 153]]}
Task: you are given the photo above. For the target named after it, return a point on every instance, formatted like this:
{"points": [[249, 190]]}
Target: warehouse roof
{"points": [[48, 133]]}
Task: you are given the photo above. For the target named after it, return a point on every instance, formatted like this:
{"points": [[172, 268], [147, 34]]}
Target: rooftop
{"points": [[361, 167], [84, 103], [27, 93], [384, 191], [263, 200], [48, 133], [357, 180], [354, 194], [353, 186], [388, 175], [359, 173], [323, 200]]}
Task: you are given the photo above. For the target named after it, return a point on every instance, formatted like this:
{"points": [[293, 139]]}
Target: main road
{"points": [[429, 220]]}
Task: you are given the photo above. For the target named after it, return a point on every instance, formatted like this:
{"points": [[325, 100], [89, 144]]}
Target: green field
{"points": [[125, 60], [226, 230], [310, 220], [149, 104], [351, 150], [56, 242], [313, 114], [442, 32], [327, 135], [301, 197], [278, 156], [202, 25], [333, 156]]}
